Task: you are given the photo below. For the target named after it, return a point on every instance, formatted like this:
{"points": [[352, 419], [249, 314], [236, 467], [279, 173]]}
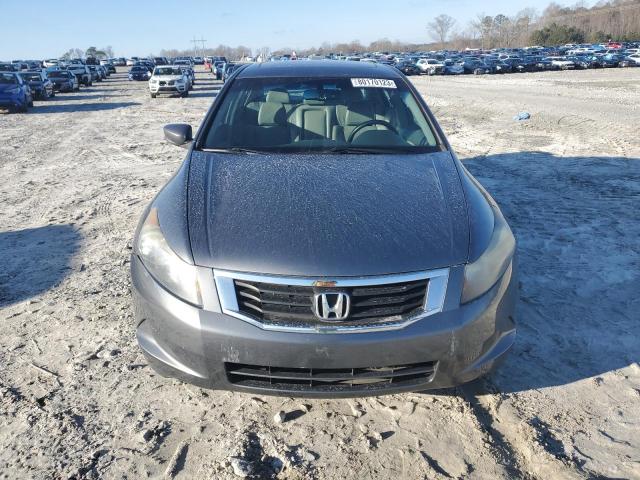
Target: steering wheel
{"points": [[369, 123]]}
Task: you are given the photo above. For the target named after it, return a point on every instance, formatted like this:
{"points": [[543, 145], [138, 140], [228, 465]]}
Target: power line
{"points": [[195, 42]]}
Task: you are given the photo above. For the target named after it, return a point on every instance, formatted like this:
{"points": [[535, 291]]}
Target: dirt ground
{"points": [[78, 400]]}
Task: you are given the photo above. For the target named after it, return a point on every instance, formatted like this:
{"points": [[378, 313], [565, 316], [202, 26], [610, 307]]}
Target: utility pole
{"points": [[203, 43], [195, 46]]}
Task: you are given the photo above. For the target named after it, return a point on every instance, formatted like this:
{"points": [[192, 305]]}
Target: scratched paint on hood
{"points": [[326, 215]]}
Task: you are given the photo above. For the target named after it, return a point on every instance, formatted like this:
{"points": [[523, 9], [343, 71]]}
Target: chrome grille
{"points": [[388, 302], [277, 303]]}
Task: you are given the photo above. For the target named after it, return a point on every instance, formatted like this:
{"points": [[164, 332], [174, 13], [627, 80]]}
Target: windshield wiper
{"points": [[358, 150], [235, 150]]}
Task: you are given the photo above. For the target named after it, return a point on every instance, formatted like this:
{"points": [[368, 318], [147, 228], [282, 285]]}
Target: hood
{"points": [[326, 215]]}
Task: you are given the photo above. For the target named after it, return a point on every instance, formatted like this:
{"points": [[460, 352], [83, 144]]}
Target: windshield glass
{"points": [[320, 114], [139, 69], [167, 71], [8, 78], [31, 77], [58, 74]]}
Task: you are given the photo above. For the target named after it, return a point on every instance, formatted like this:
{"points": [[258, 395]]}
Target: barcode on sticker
{"points": [[373, 83]]}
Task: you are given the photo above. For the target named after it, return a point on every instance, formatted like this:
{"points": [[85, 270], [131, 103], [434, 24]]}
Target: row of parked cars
{"points": [[531, 59], [22, 82]]}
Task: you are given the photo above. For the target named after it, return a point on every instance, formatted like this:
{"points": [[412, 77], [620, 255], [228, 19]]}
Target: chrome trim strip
{"points": [[434, 298]]}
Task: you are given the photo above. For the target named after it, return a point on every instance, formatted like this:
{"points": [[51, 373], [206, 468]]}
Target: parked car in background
{"points": [[108, 65], [139, 72], [51, 62], [96, 75], [198, 60], [15, 94], [430, 66], [189, 74], [562, 63], [218, 69], [40, 85], [170, 80], [9, 67], [452, 68], [20, 65], [82, 73], [63, 80], [103, 71], [631, 61], [227, 70], [187, 68], [408, 68]]}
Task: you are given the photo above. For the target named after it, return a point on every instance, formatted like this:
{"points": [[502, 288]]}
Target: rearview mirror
{"points": [[178, 133]]}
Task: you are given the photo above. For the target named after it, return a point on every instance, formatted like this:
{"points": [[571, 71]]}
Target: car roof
{"points": [[302, 68]]}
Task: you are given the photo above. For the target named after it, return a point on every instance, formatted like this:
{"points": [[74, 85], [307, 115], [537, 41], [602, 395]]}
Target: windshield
{"points": [[58, 74], [310, 115], [167, 71], [8, 78], [31, 77], [139, 69]]}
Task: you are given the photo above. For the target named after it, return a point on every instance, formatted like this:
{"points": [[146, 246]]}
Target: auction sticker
{"points": [[373, 83]]}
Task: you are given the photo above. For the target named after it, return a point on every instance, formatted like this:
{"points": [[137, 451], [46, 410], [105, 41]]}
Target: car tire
{"points": [[185, 94], [53, 94], [30, 104], [153, 95], [24, 108]]}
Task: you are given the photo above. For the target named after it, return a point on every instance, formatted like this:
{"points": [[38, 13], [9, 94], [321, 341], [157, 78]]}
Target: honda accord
{"points": [[322, 239]]}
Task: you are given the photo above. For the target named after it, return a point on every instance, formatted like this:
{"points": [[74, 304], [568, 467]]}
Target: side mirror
{"points": [[178, 133]]}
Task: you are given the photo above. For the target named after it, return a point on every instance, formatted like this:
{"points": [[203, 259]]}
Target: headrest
{"points": [[358, 113], [277, 96], [271, 114]]}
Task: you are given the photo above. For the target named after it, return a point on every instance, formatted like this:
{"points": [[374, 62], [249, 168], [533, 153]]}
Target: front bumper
{"points": [[168, 89], [62, 86], [197, 345]]}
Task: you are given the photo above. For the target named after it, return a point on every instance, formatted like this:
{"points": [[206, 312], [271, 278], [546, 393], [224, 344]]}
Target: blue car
{"points": [[15, 94], [139, 72]]}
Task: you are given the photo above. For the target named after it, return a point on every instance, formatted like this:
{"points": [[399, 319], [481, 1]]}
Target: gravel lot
{"points": [[78, 401]]}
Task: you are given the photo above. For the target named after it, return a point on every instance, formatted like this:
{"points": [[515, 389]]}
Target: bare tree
{"points": [[440, 28], [483, 26], [108, 51], [72, 53]]}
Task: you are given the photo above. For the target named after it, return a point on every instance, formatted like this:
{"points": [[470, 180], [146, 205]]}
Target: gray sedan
{"points": [[322, 239]]}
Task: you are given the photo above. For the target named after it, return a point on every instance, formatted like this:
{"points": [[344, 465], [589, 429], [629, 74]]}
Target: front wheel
{"points": [[153, 95], [185, 94]]}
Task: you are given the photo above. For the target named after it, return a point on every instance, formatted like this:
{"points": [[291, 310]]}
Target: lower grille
{"points": [[293, 305], [329, 379]]}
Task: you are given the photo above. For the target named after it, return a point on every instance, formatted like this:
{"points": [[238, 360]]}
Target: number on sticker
{"points": [[373, 83]]}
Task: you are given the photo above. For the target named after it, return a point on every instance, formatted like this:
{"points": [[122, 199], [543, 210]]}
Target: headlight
{"points": [[177, 276], [483, 274]]}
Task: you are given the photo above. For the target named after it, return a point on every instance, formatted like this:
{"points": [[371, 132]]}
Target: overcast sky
{"points": [[42, 29]]}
